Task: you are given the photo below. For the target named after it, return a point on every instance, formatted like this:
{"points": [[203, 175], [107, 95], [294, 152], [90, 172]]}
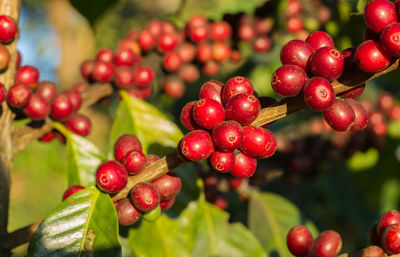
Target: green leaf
{"points": [[363, 161], [135, 116], [201, 230], [390, 195], [271, 216], [85, 224], [92, 9], [83, 158], [393, 129], [361, 6], [260, 77]]}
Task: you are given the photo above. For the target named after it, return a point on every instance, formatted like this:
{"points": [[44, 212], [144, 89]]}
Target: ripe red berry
{"points": [[318, 94], [326, 62], [294, 24], [3, 93], [123, 77], [262, 44], [172, 61], [196, 145], [61, 107], [187, 52], [8, 29], [124, 144], [154, 27], [244, 166], [18, 95], [111, 177], [37, 108], [348, 59], [361, 116], [273, 144], [174, 87], [222, 161], [75, 98], [296, 52], [151, 158], [243, 108], [373, 251], [394, 113], [288, 80], [124, 57], [234, 86], [256, 141], [204, 52], [146, 40], [167, 204], [319, 39], [196, 21], [105, 55], [340, 116], [327, 244], [87, 69], [47, 90], [127, 213], [386, 219], [370, 57], [145, 197], [189, 73], [72, 190], [235, 183], [168, 186], [378, 14], [210, 68], [385, 101], [186, 116], [198, 34], [79, 124], [211, 89], [299, 240], [103, 71], [221, 51], [28, 75], [220, 31], [143, 76], [166, 42], [390, 39], [246, 32], [228, 135], [4, 58], [354, 92], [391, 239], [134, 162], [207, 113]]}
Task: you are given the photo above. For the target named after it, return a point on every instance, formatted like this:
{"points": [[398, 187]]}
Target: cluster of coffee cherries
{"points": [[385, 232], [147, 198], [220, 128], [8, 30], [301, 243]]}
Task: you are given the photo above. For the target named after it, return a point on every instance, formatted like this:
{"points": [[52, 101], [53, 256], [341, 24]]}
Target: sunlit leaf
{"points": [[363, 161]]}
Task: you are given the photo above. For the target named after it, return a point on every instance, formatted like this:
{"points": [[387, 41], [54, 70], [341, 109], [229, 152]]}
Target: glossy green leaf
{"points": [[271, 216], [85, 224], [92, 9], [82, 156], [151, 126], [363, 161]]}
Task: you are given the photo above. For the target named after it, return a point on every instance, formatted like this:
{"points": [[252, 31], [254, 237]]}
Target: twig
{"points": [[20, 236]]}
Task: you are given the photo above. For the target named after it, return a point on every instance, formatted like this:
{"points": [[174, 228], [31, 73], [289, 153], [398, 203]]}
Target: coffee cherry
{"points": [[373, 251], [167, 204], [318, 94], [378, 14], [143, 77], [256, 141], [174, 87], [3, 93], [146, 40], [189, 73], [124, 144], [236, 56], [211, 90], [124, 57], [386, 219], [172, 61], [354, 92], [262, 44], [61, 107], [8, 29], [385, 101], [288, 80], [145, 197], [28, 75], [348, 59], [391, 239], [134, 162], [37, 108], [299, 241], [243, 108], [127, 213], [196, 145], [390, 39], [234, 86], [246, 32], [123, 77], [151, 158], [187, 52], [319, 39], [327, 244], [166, 43], [326, 62], [220, 31], [18, 95], [235, 183], [154, 27], [198, 34], [168, 186], [111, 177], [103, 71], [210, 68], [47, 90], [394, 113], [361, 116], [186, 117], [4, 58], [153, 215], [370, 57], [222, 161], [105, 55], [273, 145], [296, 52], [220, 201], [204, 53], [196, 21], [221, 51], [75, 98], [72, 190], [79, 124], [132, 45], [87, 69], [294, 24], [207, 113], [244, 166], [228, 135], [340, 116]]}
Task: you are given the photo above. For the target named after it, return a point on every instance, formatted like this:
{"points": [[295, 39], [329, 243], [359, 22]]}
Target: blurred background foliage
{"points": [[346, 196]]}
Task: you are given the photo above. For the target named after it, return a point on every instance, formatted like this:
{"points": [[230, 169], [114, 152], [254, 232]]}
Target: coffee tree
{"points": [[196, 164]]}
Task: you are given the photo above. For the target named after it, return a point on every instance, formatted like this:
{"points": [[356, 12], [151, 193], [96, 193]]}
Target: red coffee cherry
{"points": [[273, 145], [105, 55], [3, 93], [394, 113], [186, 117], [28, 75], [228, 136], [318, 94], [61, 107], [151, 158], [373, 251], [167, 204], [234, 86], [262, 44], [172, 61], [288, 80], [263, 25], [154, 27], [244, 166], [174, 87], [37, 108], [256, 141], [8, 29], [47, 90], [18, 95], [143, 77], [378, 14], [236, 56], [390, 239], [211, 89], [210, 68], [196, 21], [124, 144], [204, 52], [87, 69], [4, 58], [222, 161], [386, 219], [145, 197], [299, 240], [196, 145], [370, 57], [220, 31], [361, 116], [79, 124], [221, 51], [296, 52], [198, 34], [348, 59], [127, 213], [187, 52], [75, 98], [326, 62], [167, 42], [72, 190], [146, 40], [385, 101], [207, 113], [319, 39], [235, 183], [102, 71], [124, 57], [243, 108], [220, 201], [189, 73], [354, 92], [340, 116], [246, 32], [327, 244], [134, 162], [294, 24], [111, 177], [123, 77], [390, 39], [168, 186]]}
